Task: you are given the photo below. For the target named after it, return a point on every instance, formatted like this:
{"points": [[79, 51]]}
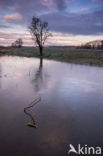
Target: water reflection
{"points": [[37, 81], [41, 77], [0, 74], [71, 113], [0, 70], [38, 76]]}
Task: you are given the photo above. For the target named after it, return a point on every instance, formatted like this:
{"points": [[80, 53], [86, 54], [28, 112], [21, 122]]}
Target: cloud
{"points": [[54, 12], [5, 26], [6, 38], [13, 17], [84, 9], [48, 2], [61, 4], [91, 23], [6, 3], [96, 0]]}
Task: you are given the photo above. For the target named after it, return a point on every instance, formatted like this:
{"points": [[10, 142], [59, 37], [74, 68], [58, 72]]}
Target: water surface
{"points": [[70, 111]]}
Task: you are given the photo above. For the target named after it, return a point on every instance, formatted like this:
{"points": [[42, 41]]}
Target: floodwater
{"points": [[70, 110]]}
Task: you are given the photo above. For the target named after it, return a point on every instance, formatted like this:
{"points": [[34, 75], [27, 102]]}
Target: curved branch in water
{"points": [[27, 111]]}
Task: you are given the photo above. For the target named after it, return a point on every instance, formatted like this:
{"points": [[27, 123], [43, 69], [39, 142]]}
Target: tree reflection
{"points": [[40, 79], [0, 74]]}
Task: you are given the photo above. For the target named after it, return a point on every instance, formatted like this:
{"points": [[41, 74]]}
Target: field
{"points": [[77, 56]]}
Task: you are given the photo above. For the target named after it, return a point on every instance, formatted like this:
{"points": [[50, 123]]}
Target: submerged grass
{"points": [[79, 56]]}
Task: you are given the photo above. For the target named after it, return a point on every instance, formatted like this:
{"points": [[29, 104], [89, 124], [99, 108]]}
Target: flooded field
{"points": [[70, 110]]}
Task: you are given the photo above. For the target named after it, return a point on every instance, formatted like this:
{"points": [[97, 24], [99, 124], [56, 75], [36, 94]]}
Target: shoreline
{"points": [[91, 57]]}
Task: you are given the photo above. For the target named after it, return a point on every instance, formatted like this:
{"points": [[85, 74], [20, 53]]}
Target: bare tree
{"points": [[17, 43], [13, 44], [40, 32], [102, 44]]}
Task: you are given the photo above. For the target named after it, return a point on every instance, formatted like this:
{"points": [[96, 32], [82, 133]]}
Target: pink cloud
{"points": [[13, 17], [67, 1], [51, 2], [48, 2]]}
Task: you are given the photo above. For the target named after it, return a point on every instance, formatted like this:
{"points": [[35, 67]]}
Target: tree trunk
{"points": [[41, 62], [41, 51]]}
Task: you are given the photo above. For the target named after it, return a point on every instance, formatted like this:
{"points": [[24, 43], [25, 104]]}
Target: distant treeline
{"points": [[98, 44]]}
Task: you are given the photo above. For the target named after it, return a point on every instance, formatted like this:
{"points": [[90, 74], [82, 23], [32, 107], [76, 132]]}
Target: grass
{"points": [[79, 56]]}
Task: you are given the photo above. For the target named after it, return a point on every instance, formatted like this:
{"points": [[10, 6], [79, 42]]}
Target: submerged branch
{"points": [[29, 112]]}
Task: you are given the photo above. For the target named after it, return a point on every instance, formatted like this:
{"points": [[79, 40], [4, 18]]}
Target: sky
{"points": [[71, 22]]}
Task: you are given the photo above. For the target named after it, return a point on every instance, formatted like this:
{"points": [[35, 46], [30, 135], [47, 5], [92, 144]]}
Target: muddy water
{"points": [[70, 110]]}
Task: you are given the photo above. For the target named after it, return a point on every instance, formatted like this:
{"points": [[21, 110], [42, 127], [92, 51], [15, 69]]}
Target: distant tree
{"points": [[40, 32], [13, 44], [101, 44], [18, 43]]}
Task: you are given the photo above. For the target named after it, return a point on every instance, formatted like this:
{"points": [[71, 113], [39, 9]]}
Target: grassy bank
{"points": [[79, 56]]}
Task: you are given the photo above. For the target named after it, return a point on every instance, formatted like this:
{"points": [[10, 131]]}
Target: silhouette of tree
{"points": [[40, 32], [101, 44], [18, 43]]}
